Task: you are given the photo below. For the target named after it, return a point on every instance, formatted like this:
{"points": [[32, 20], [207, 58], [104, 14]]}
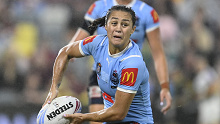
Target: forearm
{"points": [[159, 57], [161, 69], [115, 113], [59, 67], [79, 35], [104, 115]]}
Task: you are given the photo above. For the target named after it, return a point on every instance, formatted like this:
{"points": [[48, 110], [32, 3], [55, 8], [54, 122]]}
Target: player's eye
{"points": [[114, 23], [124, 25]]}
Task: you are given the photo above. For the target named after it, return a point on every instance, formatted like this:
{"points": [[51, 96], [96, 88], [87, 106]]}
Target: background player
{"points": [[147, 27]]}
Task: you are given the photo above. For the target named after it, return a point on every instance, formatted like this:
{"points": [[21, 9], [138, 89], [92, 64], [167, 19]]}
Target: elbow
{"points": [[63, 53], [118, 112], [120, 116]]}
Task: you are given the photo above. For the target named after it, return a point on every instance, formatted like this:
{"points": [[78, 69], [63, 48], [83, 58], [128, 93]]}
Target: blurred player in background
{"points": [[147, 27]]}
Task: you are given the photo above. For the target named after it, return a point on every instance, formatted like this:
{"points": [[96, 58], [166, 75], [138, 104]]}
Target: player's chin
{"points": [[117, 43]]}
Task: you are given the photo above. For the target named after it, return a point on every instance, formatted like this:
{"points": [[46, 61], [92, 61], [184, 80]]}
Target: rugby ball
{"points": [[53, 113]]}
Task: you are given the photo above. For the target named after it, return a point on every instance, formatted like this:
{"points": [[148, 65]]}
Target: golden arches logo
{"points": [[128, 76]]}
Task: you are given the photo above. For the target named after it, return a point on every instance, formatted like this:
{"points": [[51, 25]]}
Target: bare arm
{"points": [[158, 55], [160, 66], [115, 113], [61, 61], [79, 35]]}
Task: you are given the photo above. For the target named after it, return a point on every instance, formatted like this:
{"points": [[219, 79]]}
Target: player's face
{"points": [[119, 28]]}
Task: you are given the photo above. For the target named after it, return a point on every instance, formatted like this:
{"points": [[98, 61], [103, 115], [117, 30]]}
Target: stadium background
{"points": [[32, 32]]}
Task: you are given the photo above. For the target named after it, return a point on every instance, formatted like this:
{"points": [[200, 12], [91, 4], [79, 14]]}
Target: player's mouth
{"points": [[117, 37]]}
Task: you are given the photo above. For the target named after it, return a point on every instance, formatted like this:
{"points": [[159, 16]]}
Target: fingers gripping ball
{"points": [[53, 113]]}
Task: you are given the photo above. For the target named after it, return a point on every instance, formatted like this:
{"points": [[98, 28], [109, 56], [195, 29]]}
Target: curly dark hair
{"points": [[103, 20]]}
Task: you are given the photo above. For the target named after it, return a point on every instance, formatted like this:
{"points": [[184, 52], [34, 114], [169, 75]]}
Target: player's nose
{"points": [[118, 28]]}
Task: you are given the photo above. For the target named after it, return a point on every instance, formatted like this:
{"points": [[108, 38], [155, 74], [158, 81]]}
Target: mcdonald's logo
{"points": [[129, 76], [155, 16], [88, 39]]}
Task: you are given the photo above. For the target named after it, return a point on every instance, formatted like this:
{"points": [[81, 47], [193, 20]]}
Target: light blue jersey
{"points": [[125, 71], [147, 17]]}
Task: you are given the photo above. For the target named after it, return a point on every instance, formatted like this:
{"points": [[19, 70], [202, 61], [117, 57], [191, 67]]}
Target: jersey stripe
{"points": [[127, 91], [130, 57], [151, 29], [141, 7], [80, 48]]}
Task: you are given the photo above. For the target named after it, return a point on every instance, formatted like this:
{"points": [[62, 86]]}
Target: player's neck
{"points": [[124, 2]]}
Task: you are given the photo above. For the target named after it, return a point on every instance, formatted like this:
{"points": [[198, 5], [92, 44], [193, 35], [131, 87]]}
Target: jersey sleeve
{"points": [[132, 75], [88, 45], [94, 11], [152, 19]]}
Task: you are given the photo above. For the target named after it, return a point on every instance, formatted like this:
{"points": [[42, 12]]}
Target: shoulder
{"points": [[99, 1], [132, 60], [96, 10], [90, 45], [142, 7], [147, 13], [133, 63], [102, 3], [94, 38], [133, 57], [96, 6]]}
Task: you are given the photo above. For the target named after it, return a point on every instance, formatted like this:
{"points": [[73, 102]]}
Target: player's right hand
{"points": [[165, 94], [76, 118], [51, 95]]}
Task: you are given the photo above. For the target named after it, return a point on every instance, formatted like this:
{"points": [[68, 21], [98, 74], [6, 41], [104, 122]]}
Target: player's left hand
{"points": [[75, 118], [165, 94]]}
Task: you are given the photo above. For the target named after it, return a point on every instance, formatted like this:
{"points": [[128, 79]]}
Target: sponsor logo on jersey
{"points": [[88, 39], [129, 76], [114, 79], [91, 8], [98, 68], [59, 110], [155, 16]]}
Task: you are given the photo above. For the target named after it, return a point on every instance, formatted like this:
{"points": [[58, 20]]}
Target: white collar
{"points": [[120, 53], [130, 4]]}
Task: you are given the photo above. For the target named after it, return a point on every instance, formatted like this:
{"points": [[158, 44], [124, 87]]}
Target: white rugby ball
{"points": [[53, 113]]}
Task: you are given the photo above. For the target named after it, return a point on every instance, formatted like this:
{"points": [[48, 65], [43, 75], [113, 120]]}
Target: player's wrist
{"points": [[165, 85]]}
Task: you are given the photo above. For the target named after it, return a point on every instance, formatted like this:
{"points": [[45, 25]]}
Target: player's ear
{"points": [[133, 29], [106, 27]]}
